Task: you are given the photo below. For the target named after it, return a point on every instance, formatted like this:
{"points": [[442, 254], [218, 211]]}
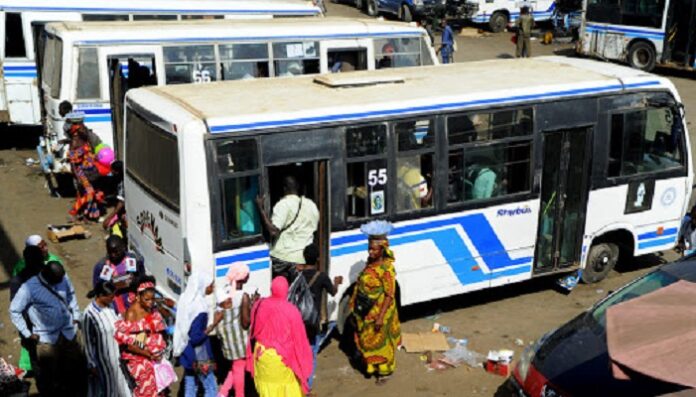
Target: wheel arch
{"points": [[620, 235], [637, 40]]}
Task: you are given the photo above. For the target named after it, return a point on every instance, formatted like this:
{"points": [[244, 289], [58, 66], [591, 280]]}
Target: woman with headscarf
{"points": [[373, 304], [191, 341], [84, 167], [100, 346], [232, 320], [139, 335], [278, 353]]}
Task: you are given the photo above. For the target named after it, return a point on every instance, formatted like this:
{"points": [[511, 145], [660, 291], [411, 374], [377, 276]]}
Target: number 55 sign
{"points": [[377, 181]]}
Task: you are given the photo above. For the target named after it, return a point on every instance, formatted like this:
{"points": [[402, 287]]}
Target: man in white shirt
{"points": [[291, 227]]}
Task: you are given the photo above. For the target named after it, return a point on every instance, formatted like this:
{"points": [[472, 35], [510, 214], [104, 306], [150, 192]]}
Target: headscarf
{"points": [[33, 241], [236, 272], [191, 304], [277, 324], [384, 243]]}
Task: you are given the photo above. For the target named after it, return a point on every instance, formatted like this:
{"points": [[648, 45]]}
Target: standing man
{"points": [[121, 268], [35, 241], [524, 25], [49, 300], [446, 49], [291, 227]]}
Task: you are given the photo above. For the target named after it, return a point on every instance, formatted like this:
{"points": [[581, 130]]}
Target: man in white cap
{"points": [[35, 241]]}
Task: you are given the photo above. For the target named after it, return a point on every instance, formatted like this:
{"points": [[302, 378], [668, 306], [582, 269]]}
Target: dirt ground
{"points": [[492, 319]]}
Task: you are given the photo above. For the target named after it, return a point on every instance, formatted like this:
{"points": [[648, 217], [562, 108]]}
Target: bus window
{"points": [[104, 17], [51, 70], [244, 61], [188, 17], [153, 17], [414, 164], [157, 174], [644, 140], [396, 53], [239, 178], [87, 74], [296, 58], [426, 59], [14, 36], [190, 64], [647, 13], [497, 169], [366, 152]]}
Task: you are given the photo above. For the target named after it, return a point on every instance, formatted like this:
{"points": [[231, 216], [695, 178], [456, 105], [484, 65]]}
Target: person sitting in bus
{"points": [[481, 182], [412, 187], [387, 60], [291, 227]]}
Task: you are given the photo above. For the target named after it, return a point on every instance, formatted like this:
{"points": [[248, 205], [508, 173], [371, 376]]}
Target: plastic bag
{"points": [[164, 374], [300, 295], [460, 354]]}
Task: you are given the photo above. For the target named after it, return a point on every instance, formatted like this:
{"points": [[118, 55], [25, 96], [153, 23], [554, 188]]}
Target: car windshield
{"points": [[640, 287]]}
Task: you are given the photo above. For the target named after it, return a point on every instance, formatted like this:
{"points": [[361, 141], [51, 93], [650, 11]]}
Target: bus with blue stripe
{"points": [[532, 167], [498, 14], [643, 34], [99, 61], [24, 20]]}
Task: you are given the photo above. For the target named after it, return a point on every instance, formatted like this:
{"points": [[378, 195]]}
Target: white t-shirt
{"points": [[292, 242]]}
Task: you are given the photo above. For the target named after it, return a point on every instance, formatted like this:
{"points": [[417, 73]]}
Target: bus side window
{"points": [[87, 74], [104, 17], [489, 154], [189, 64], [244, 61], [397, 53], [296, 58], [367, 176], [645, 140], [238, 168], [425, 55], [154, 17], [14, 36], [414, 164]]}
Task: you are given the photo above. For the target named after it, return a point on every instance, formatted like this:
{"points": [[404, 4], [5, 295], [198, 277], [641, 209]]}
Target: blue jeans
{"points": [[208, 381], [447, 53], [315, 351]]}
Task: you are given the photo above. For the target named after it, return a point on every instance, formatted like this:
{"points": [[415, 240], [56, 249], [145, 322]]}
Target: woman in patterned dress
{"points": [[84, 168], [373, 304], [140, 336]]}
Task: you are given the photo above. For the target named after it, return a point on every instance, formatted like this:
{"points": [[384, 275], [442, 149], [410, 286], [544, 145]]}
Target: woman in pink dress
{"points": [[140, 338]]}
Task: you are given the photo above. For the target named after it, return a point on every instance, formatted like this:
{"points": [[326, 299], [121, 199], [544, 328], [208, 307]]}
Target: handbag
{"points": [[164, 374], [363, 304]]}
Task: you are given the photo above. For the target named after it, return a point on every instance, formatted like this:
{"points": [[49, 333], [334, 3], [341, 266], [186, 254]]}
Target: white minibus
{"points": [[534, 167]]}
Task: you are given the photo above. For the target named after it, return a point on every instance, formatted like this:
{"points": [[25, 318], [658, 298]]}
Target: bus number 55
{"points": [[201, 76], [377, 177]]}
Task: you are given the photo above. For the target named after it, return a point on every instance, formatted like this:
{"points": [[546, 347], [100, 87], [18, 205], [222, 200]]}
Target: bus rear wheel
{"points": [[600, 261], [641, 55], [498, 22]]}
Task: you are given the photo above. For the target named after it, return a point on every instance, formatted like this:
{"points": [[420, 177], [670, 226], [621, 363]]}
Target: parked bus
{"points": [[641, 33], [23, 21], [92, 64], [536, 166], [498, 14]]}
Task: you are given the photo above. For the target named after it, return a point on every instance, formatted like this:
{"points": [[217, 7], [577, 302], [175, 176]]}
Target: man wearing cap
{"points": [[35, 241], [524, 26]]}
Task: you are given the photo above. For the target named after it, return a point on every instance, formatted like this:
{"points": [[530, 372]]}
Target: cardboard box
{"points": [[60, 233], [498, 368], [423, 342]]}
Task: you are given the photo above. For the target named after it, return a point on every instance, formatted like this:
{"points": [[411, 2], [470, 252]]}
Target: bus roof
{"points": [[100, 33], [269, 103], [247, 7]]}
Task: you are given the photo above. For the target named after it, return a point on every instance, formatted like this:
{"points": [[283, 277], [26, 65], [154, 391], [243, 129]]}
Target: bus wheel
{"points": [[600, 261], [372, 8], [498, 22], [642, 56], [406, 15]]}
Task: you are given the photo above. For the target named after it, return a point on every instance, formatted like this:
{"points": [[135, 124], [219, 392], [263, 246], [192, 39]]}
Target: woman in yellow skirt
{"points": [[373, 304], [281, 362]]}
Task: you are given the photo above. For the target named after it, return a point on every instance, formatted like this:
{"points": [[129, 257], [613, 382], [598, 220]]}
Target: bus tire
{"points": [[600, 261], [641, 55], [372, 8], [405, 15], [498, 22]]}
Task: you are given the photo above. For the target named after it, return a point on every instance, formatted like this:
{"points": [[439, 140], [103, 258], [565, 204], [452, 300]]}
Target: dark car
{"points": [[573, 360]]}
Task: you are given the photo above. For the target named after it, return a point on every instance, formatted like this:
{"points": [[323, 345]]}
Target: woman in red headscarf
{"points": [[281, 363], [84, 167]]}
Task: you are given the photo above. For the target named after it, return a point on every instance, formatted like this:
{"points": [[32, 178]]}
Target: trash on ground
{"points": [[498, 362], [60, 233], [424, 341], [11, 380], [460, 354], [437, 327], [519, 342], [30, 162], [434, 316], [599, 291], [456, 341], [570, 281]]}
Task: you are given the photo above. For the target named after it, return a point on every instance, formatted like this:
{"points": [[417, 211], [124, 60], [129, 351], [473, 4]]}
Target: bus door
{"points": [[564, 188], [128, 68], [346, 55], [680, 37]]}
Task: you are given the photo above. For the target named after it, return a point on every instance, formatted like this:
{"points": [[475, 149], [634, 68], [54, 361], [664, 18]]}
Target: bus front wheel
{"points": [[641, 55], [600, 261], [498, 22]]}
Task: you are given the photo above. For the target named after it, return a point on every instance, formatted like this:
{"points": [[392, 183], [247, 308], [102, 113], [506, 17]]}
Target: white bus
{"points": [[497, 14], [643, 34], [89, 63], [21, 22], [536, 166]]}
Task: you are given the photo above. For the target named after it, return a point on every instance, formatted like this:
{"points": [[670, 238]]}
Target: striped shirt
{"points": [[49, 315], [102, 351], [233, 336]]}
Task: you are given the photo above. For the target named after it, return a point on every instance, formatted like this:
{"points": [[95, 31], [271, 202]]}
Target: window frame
{"points": [[215, 61], [269, 60], [216, 182], [394, 158], [76, 75]]}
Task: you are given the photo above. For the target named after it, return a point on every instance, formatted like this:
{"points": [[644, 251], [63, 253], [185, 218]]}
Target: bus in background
{"points": [[92, 64], [498, 14], [536, 166], [23, 21], [642, 33]]}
